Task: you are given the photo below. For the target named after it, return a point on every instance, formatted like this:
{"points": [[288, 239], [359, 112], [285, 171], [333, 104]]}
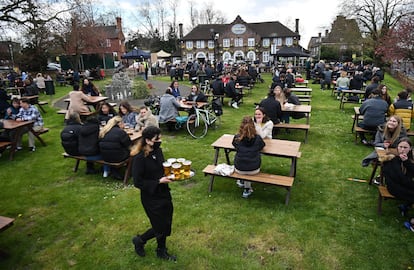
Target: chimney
{"points": [[319, 34], [326, 32], [118, 23], [297, 26], [180, 30]]}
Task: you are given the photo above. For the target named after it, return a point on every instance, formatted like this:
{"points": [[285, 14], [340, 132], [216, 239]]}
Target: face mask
{"points": [[156, 145], [192, 93]]}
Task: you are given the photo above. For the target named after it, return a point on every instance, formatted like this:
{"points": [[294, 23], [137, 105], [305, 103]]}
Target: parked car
{"points": [[54, 66]]}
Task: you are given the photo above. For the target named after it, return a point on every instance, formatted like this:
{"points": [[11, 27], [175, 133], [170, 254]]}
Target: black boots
{"points": [[139, 245], [163, 254]]}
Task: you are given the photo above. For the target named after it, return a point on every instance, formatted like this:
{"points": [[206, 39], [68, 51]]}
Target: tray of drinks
{"points": [[178, 169]]}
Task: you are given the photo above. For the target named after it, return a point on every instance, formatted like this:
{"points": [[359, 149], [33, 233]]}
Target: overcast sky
{"points": [[314, 15]]}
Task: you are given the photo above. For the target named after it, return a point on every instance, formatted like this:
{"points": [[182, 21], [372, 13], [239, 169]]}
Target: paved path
{"points": [[158, 89]]}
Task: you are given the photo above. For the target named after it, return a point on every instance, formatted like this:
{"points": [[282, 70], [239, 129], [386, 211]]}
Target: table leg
{"points": [[293, 167], [374, 170], [215, 161], [16, 134], [341, 103], [227, 156], [354, 122]]}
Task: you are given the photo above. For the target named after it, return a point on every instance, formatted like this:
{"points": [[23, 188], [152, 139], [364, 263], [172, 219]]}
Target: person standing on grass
{"points": [[398, 169], [148, 175], [248, 158]]}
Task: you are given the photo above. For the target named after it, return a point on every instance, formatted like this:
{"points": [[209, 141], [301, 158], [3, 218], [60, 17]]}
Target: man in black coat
{"points": [[272, 107]]}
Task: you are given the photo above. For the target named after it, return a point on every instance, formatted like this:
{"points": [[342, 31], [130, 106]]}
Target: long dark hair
{"points": [[265, 118], [148, 133], [126, 105]]}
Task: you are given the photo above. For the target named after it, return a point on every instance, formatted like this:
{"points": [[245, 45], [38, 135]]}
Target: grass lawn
{"points": [[67, 220]]}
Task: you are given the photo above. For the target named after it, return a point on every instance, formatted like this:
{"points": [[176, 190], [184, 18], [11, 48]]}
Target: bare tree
{"points": [[173, 6], [377, 17], [209, 15]]}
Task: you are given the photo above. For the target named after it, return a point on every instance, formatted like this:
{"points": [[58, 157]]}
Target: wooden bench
{"points": [[383, 194], [265, 178], [5, 223], [42, 131], [361, 130], [63, 111], [126, 163], [4, 145], [304, 127]]}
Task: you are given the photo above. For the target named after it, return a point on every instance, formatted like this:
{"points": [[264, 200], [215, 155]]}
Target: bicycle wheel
{"points": [[197, 127], [215, 121]]}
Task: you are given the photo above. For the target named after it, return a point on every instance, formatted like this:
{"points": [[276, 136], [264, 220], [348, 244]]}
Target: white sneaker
{"points": [[246, 193], [234, 105], [240, 183], [105, 174]]}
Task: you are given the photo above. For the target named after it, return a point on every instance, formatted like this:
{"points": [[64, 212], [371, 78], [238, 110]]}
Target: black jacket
{"points": [[400, 184], [218, 87], [70, 138], [89, 138], [248, 157], [272, 108], [114, 146], [155, 197]]}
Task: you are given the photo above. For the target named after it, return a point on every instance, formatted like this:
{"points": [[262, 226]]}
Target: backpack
{"points": [[217, 106]]}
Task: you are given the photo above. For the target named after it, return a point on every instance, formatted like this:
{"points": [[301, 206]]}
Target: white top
{"points": [[264, 130]]}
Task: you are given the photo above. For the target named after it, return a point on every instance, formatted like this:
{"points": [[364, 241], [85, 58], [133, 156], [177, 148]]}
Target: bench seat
{"points": [[5, 223], [383, 194], [265, 178], [361, 130], [304, 127], [125, 163], [43, 103], [63, 111], [42, 131]]}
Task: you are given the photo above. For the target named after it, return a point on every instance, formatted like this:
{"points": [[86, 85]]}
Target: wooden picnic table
{"points": [[95, 100], [186, 105], [273, 147], [306, 109], [16, 129], [304, 90], [344, 97]]}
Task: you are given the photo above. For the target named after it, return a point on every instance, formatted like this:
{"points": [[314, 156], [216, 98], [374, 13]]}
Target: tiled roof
{"points": [[264, 29]]}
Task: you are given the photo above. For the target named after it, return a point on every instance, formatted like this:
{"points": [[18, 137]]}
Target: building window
{"points": [[226, 42], [226, 57], [265, 56], [266, 42], [250, 42], [277, 41], [200, 44], [289, 41], [190, 56], [238, 42], [211, 57], [251, 56], [108, 43], [343, 47], [189, 44], [210, 44]]}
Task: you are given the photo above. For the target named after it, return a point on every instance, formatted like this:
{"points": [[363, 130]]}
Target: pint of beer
{"points": [[187, 167], [176, 167], [167, 168]]}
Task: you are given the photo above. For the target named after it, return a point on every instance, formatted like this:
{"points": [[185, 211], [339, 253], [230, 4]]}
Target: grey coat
{"points": [[168, 108]]}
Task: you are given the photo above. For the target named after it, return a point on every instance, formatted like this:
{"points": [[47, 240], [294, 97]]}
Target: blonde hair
{"points": [[111, 123]]}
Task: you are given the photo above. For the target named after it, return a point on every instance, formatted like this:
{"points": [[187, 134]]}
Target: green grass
{"points": [[73, 220]]}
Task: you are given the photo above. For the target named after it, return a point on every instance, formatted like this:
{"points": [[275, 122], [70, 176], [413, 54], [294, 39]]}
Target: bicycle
{"points": [[200, 120]]}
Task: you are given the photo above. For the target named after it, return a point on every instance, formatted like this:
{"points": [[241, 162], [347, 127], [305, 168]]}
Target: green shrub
{"points": [[140, 89]]}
